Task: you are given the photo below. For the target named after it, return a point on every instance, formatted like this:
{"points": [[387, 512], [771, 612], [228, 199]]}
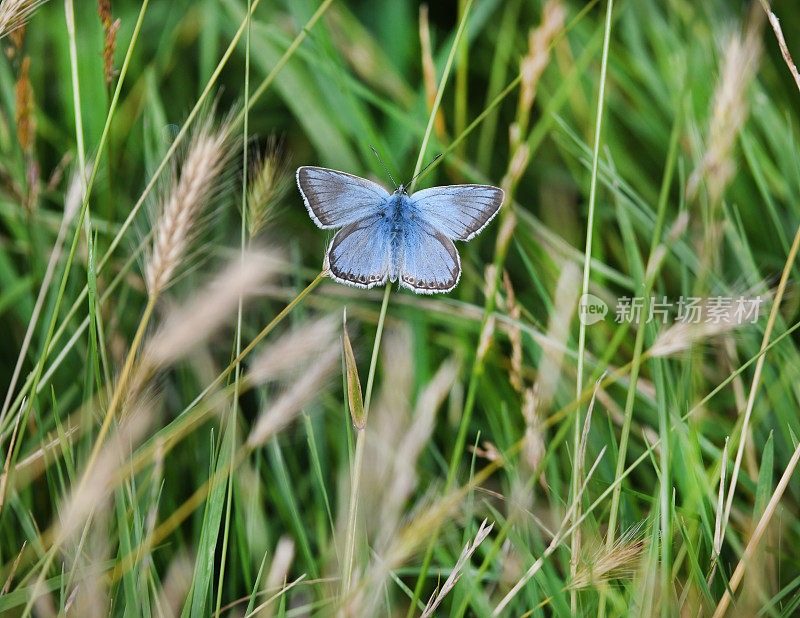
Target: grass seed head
{"points": [[189, 325], [15, 13], [268, 185], [302, 391], [621, 559], [739, 65], [184, 202]]}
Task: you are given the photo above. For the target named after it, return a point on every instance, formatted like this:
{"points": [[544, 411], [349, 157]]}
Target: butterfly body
{"points": [[395, 236], [398, 213]]}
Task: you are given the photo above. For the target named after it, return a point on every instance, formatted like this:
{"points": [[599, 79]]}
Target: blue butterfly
{"points": [[395, 236]]}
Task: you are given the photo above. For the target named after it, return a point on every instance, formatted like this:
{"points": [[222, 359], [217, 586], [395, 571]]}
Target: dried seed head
{"points": [[293, 352], [429, 70], [74, 197], [514, 335], [741, 59], [185, 200], [303, 390], [619, 560], [110, 28], [703, 318], [14, 14], [535, 61], [26, 123], [268, 185], [455, 574], [551, 363], [188, 326], [534, 448]]}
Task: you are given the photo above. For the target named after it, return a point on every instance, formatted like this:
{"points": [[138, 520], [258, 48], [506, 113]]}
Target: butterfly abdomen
{"points": [[398, 214]]}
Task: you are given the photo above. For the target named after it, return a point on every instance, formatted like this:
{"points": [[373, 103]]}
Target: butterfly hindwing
{"points": [[360, 253], [460, 211], [336, 199], [428, 261]]}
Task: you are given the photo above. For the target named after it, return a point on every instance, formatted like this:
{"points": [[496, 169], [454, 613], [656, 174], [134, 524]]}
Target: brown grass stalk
{"points": [[110, 28], [429, 71]]}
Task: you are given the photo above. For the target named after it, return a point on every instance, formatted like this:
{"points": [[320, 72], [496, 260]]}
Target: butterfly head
{"points": [[401, 190]]}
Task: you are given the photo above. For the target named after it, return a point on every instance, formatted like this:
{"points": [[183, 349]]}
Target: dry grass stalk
{"points": [[514, 335], [536, 60], [100, 479], [176, 586], [258, 610], [550, 367], [354, 396], [291, 353], [619, 560], [389, 421], [485, 340], [5, 477], [90, 596], [156, 480], [23, 115], [397, 437], [33, 465], [717, 541], [13, 570], [268, 185], [281, 413], [110, 28], [741, 59], [401, 479], [429, 71], [534, 448], [189, 325], [455, 574], [278, 573], [661, 251], [563, 532], [15, 13], [787, 58], [759, 531], [184, 202], [751, 546], [711, 318]]}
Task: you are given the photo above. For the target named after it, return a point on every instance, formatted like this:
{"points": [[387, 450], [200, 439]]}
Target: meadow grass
{"points": [[184, 429]]}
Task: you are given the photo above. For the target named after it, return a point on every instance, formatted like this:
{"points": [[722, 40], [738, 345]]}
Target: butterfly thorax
{"points": [[398, 211]]}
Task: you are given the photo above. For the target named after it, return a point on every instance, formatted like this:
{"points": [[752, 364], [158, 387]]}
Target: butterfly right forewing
{"points": [[460, 211], [336, 199]]}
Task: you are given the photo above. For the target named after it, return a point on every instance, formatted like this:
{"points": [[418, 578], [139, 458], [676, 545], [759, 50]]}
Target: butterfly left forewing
{"points": [[336, 199], [359, 254], [460, 211]]}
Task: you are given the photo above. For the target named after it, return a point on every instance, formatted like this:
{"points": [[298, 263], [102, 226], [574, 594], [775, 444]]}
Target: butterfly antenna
{"points": [[422, 171], [383, 166]]}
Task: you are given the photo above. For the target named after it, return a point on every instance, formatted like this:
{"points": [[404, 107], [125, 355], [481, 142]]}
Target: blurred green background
{"points": [[697, 194]]}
